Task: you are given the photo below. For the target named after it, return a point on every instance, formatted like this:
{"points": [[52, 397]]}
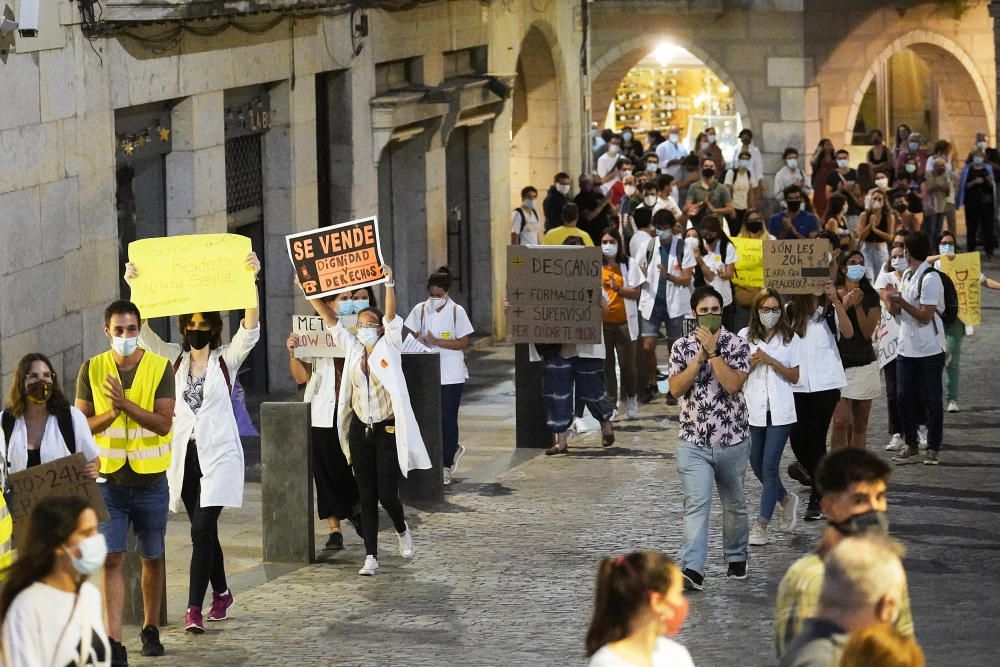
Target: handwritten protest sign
{"points": [[337, 258], [193, 273], [749, 263], [964, 271], [554, 294], [314, 340], [886, 338], [62, 477], [797, 266]]}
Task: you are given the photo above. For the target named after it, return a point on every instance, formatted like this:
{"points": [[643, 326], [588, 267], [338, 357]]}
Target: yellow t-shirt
{"points": [[558, 236], [616, 307]]}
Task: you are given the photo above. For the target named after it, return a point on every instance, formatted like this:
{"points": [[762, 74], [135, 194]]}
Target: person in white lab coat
{"points": [[444, 326], [378, 430], [206, 466]]}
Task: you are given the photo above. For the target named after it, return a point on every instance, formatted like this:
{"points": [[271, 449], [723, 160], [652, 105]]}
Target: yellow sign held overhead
{"points": [[194, 273], [964, 271]]}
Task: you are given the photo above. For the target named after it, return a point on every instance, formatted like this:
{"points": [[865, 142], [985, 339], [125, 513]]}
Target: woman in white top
{"points": [[716, 265], [39, 424], [444, 326], [888, 339], [774, 364], [51, 614], [639, 604], [206, 465], [378, 431]]}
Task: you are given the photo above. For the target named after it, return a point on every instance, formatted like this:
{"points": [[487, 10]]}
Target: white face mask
{"points": [[613, 149], [651, 167], [124, 346], [981, 145], [876, 205], [691, 242], [609, 249], [882, 183], [368, 336], [769, 320], [711, 138], [792, 162], [649, 200], [436, 302], [842, 164], [563, 188], [745, 164], [93, 551], [630, 190], [674, 137], [899, 263]]}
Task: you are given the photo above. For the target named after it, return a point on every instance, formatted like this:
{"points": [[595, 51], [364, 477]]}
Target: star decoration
{"points": [[164, 134], [128, 147]]}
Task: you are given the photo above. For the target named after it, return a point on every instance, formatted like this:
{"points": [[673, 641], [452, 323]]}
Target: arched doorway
{"points": [[536, 149], [929, 83]]}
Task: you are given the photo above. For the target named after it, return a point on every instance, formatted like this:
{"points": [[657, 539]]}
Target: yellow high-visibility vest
{"points": [[6, 535], [124, 439]]}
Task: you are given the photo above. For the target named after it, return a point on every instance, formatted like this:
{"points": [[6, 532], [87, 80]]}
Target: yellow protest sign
{"points": [[749, 263], [964, 271], [192, 274]]}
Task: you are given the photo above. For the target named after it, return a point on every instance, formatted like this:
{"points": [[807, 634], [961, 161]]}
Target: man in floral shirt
{"points": [[707, 370]]}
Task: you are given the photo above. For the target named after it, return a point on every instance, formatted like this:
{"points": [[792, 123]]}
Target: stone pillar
{"points": [[994, 9], [531, 430], [196, 166], [286, 483], [423, 380]]}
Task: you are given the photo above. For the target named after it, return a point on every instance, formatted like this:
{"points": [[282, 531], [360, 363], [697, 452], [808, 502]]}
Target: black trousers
{"points": [[808, 437], [376, 468], [893, 403], [979, 222], [207, 561], [336, 490]]}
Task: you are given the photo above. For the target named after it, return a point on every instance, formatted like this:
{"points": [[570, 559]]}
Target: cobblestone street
{"points": [[503, 572]]}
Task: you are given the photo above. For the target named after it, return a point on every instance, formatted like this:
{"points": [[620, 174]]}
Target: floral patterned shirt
{"points": [[711, 416]]}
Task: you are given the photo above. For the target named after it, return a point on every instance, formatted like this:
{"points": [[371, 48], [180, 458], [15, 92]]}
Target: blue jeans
{"points": [[451, 399], [766, 445], [698, 468], [915, 375], [145, 507]]}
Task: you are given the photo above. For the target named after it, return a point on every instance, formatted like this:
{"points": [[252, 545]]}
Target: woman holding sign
{"points": [[39, 424], [206, 466]]}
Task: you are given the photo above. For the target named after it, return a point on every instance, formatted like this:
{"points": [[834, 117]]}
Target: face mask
{"points": [[755, 225], [913, 146], [769, 320], [899, 264], [711, 322], [910, 168], [794, 206], [745, 164], [876, 205], [877, 141], [871, 522], [711, 138], [946, 249], [93, 551], [708, 239], [197, 339], [978, 159], [981, 145], [630, 190], [529, 203], [674, 137], [613, 149], [609, 249], [855, 272], [359, 305], [666, 236], [649, 200], [842, 164], [672, 626], [627, 136], [39, 392], [651, 167], [345, 308], [704, 145], [563, 188], [691, 242], [792, 162], [368, 336], [708, 173], [882, 183], [900, 207], [124, 346], [436, 302]]}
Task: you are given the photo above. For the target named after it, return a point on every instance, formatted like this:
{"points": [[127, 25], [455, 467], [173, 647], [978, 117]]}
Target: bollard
{"points": [[133, 613], [423, 381], [532, 431], [286, 483]]}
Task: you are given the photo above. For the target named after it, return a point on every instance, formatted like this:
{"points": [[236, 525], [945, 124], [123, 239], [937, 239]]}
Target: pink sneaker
{"points": [[220, 605], [193, 622]]}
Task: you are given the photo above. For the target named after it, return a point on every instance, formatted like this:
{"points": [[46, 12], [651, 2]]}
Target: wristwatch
{"points": [[714, 354]]}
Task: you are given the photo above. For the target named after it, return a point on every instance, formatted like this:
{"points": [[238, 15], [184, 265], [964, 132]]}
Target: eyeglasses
{"points": [[765, 309]]}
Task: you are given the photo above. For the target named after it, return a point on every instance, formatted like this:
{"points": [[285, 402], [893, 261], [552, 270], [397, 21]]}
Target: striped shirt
{"points": [[369, 399]]}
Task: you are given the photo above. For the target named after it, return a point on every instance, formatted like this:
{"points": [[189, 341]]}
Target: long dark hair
{"points": [[869, 297], [623, 587], [800, 311], [212, 318], [621, 257], [52, 522], [757, 330], [17, 400], [712, 223], [836, 202]]}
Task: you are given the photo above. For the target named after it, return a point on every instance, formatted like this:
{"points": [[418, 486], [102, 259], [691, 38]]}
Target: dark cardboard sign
{"points": [[797, 266]]}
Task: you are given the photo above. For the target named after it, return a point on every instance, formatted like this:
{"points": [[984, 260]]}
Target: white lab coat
{"points": [[52, 446], [214, 429], [385, 362]]}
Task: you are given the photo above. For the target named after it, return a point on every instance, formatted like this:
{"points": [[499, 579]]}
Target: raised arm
{"points": [[390, 293]]}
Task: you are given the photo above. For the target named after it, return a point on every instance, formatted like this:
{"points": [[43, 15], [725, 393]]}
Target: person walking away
{"points": [[875, 230], [336, 491], [880, 645], [740, 183], [50, 613], [556, 197], [708, 369], [717, 263], [525, 228], [817, 321], [855, 503], [444, 326], [622, 281], [775, 355], [639, 605], [922, 347], [861, 302], [977, 193], [127, 394]]}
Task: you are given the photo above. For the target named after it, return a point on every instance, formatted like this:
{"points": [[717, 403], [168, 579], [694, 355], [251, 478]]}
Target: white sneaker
{"points": [[789, 517], [758, 534], [370, 567], [458, 457], [895, 443], [614, 415], [447, 476], [922, 436], [632, 407], [579, 425], [953, 406], [405, 543]]}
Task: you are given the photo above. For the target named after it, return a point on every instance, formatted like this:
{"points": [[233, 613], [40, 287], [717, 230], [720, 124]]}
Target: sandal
{"points": [[558, 448]]}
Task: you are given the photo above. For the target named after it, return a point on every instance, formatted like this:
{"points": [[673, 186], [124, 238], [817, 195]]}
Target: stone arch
{"points": [[608, 71], [969, 102]]}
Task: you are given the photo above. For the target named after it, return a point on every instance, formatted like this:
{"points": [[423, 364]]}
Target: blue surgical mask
{"points": [[899, 264], [855, 272], [345, 308], [368, 336], [792, 162], [627, 136], [745, 164], [705, 145], [711, 138], [842, 164], [93, 552], [124, 346], [913, 146], [946, 249], [666, 236], [529, 203], [359, 305], [673, 137], [910, 168]]}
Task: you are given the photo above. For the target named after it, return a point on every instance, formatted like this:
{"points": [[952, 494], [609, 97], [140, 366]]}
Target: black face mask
{"points": [[871, 522], [755, 226], [900, 207], [709, 240], [794, 206], [197, 339], [708, 173]]}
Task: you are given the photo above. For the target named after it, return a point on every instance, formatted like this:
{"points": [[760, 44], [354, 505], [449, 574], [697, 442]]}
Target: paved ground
{"points": [[504, 569]]}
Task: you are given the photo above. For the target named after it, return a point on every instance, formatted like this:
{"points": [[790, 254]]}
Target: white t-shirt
{"points": [[321, 391], [678, 297], [668, 204], [765, 389], [741, 187], [605, 165], [666, 653], [886, 278], [715, 262], [52, 446], [41, 616], [917, 339], [638, 245], [449, 323], [531, 231]]}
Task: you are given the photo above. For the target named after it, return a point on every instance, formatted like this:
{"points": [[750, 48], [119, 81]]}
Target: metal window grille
{"points": [[244, 179]]}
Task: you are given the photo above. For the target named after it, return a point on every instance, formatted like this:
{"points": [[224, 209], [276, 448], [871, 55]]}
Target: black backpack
{"points": [[65, 421], [950, 314]]}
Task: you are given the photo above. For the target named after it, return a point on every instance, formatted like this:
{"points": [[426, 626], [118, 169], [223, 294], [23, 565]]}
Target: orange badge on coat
{"points": [[385, 364]]}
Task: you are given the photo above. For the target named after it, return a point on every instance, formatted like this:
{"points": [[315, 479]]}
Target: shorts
{"points": [[863, 383], [145, 507], [661, 318]]}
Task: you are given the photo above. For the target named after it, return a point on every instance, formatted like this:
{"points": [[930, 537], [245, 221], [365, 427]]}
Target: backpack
{"points": [[524, 220], [65, 421], [222, 366], [950, 314]]}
